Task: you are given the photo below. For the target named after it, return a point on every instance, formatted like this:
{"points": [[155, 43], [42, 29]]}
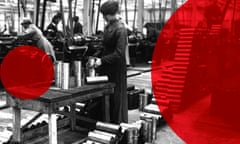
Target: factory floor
{"points": [[140, 76]]}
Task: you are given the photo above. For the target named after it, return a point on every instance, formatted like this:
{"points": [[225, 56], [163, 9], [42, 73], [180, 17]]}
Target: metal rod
{"points": [[70, 17], [43, 14], [98, 14], [135, 13], [126, 12], [63, 20], [4, 107], [37, 12], [31, 121], [75, 8]]}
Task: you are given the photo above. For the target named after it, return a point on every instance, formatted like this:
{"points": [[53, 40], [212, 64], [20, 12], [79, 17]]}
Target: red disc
{"points": [[27, 72], [196, 72]]}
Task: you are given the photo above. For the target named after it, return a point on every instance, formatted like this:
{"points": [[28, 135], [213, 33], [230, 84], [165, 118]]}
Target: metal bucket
{"points": [[58, 74], [65, 76], [78, 73]]}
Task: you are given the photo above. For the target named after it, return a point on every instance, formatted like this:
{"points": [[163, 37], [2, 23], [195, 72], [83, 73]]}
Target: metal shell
{"points": [[78, 73], [58, 74], [65, 76]]}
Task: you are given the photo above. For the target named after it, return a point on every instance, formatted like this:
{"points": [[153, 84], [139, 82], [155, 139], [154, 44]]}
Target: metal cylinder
{"points": [[91, 69], [152, 108], [112, 128], [130, 136], [147, 127], [92, 142], [96, 79], [106, 133], [143, 101], [78, 73], [100, 138], [92, 72], [58, 74], [145, 131], [150, 126], [135, 135], [65, 76], [154, 128]]}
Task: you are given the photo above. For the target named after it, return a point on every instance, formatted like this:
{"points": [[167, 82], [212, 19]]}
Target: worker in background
{"points": [[77, 26], [32, 32], [3, 30], [113, 61], [52, 29]]}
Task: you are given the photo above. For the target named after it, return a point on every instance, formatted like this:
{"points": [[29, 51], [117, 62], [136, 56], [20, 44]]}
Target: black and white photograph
{"points": [[119, 71]]}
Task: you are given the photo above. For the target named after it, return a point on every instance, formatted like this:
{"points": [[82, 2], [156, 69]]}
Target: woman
{"points": [[31, 32], [113, 61], [52, 29]]}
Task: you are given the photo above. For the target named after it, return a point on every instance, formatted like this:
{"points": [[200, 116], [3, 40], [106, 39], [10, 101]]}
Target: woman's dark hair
{"points": [[110, 8], [76, 18], [56, 17]]}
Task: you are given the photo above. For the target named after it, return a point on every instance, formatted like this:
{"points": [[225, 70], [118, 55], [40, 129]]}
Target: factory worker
{"points": [[32, 32], [113, 61]]}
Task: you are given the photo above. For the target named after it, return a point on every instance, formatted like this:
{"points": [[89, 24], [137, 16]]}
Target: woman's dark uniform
{"points": [[114, 65]]}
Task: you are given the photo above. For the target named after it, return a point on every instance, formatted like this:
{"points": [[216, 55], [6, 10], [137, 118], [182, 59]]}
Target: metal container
{"points": [[143, 101], [65, 76], [58, 74], [78, 73]]}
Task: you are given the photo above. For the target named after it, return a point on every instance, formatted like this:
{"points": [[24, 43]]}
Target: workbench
{"points": [[50, 102]]}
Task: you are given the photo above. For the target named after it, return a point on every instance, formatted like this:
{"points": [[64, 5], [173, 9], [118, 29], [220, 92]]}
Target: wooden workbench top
{"points": [[56, 94]]}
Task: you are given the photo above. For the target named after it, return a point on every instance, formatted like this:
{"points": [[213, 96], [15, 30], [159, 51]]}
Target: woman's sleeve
{"points": [[121, 36]]}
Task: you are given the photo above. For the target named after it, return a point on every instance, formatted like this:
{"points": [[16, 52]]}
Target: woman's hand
{"points": [[98, 62]]}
